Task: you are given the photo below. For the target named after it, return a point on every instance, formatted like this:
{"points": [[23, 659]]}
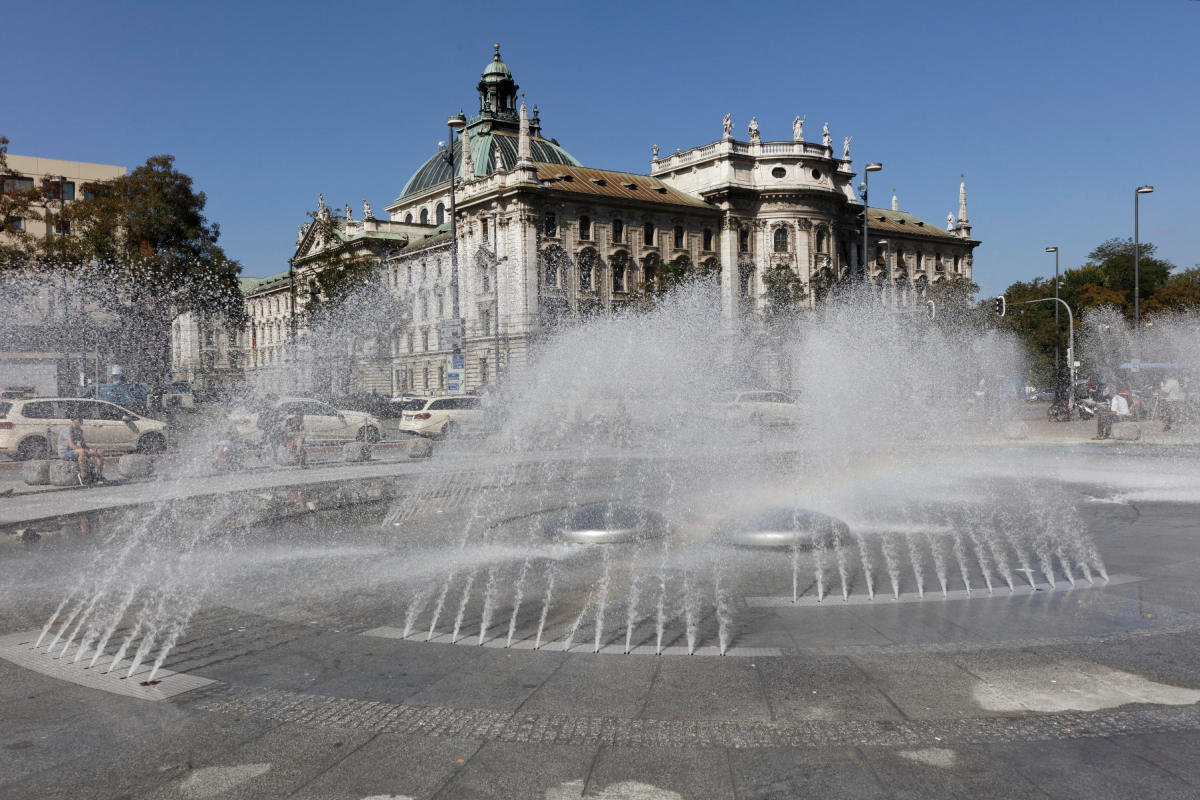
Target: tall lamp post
{"points": [[455, 123], [874, 166], [1141, 190], [496, 287], [1057, 380]]}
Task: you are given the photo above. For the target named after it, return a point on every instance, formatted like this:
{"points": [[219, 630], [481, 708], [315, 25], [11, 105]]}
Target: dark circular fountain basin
{"points": [[608, 523], [782, 526]]}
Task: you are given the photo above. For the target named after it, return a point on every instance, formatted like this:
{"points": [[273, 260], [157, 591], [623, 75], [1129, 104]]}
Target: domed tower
{"points": [[498, 91]]}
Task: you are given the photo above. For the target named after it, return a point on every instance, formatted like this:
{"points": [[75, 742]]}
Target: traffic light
{"points": [[998, 306], [931, 309]]}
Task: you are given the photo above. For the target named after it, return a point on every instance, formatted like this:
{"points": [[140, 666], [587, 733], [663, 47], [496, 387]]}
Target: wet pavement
{"points": [[1085, 690]]}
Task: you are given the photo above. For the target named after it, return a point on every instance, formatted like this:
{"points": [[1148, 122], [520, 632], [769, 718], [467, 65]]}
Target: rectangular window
{"points": [[483, 370], [648, 234], [14, 224], [410, 341], [441, 376], [60, 190], [618, 231], [11, 184], [585, 228], [708, 239], [62, 227], [678, 236], [551, 224]]}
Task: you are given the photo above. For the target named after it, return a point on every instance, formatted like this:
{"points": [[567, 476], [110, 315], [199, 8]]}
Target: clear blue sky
{"points": [[1055, 111]]}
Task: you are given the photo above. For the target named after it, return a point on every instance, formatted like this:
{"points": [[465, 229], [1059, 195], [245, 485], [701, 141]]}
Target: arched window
{"points": [[678, 236], [585, 227], [708, 239], [957, 264], [588, 262], [441, 213], [620, 271], [618, 231], [408, 218], [651, 263], [553, 261], [746, 282], [781, 240], [648, 234], [550, 224], [424, 216], [744, 240], [822, 241]]}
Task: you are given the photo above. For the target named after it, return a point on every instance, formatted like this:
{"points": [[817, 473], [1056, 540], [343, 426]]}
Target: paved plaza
{"points": [[316, 666]]}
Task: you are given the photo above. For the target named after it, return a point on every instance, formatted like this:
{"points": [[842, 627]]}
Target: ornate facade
{"points": [[540, 239]]}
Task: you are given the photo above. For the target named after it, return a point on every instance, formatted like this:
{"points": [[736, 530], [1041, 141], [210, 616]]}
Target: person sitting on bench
{"points": [[73, 447]]}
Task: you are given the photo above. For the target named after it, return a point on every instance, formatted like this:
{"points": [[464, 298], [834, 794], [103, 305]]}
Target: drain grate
{"points": [[934, 594], [19, 649], [579, 645]]}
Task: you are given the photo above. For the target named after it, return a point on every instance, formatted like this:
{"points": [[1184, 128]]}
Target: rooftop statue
{"points": [[798, 128], [654, 151], [846, 147], [753, 128], [728, 124], [367, 212], [826, 139]]}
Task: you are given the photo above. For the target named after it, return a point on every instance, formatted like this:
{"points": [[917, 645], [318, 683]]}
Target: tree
{"points": [[143, 238], [347, 319], [1115, 259], [784, 293], [19, 199]]}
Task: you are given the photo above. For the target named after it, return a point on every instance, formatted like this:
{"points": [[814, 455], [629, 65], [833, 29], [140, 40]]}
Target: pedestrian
{"points": [[270, 422], [1172, 395], [293, 428], [1118, 410], [73, 447]]}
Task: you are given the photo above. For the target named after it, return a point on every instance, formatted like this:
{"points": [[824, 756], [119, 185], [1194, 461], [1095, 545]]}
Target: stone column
{"points": [[728, 250]]}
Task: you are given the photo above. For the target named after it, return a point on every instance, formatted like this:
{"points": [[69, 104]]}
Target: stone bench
{"points": [[1126, 431], [354, 452], [135, 465], [36, 473]]}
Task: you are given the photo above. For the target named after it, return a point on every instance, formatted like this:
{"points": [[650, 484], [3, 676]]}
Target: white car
{"points": [[29, 428], [443, 416], [323, 424], [759, 408]]}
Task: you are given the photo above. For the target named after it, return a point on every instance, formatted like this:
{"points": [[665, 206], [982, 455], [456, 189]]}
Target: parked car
{"points": [[128, 395], [323, 424], [759, 408], [29, 428], [443, 416]]}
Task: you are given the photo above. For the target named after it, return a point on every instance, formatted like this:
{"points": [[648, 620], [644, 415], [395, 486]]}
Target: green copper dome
{"points": [[496, 67], [486, 148]]}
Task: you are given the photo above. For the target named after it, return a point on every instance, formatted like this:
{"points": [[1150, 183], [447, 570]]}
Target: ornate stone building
{"points": [[540, 239]]}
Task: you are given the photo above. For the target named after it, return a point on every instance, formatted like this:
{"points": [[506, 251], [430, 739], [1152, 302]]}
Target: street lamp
{"points": [[455, 123], [874, 166], [1136, 309], [1057, 380]]}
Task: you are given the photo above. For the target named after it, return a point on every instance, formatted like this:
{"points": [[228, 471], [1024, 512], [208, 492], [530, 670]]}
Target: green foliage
{"points": [[18, 247], [144, 238], [784, 293], [1115, 258], [339, 271]]}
